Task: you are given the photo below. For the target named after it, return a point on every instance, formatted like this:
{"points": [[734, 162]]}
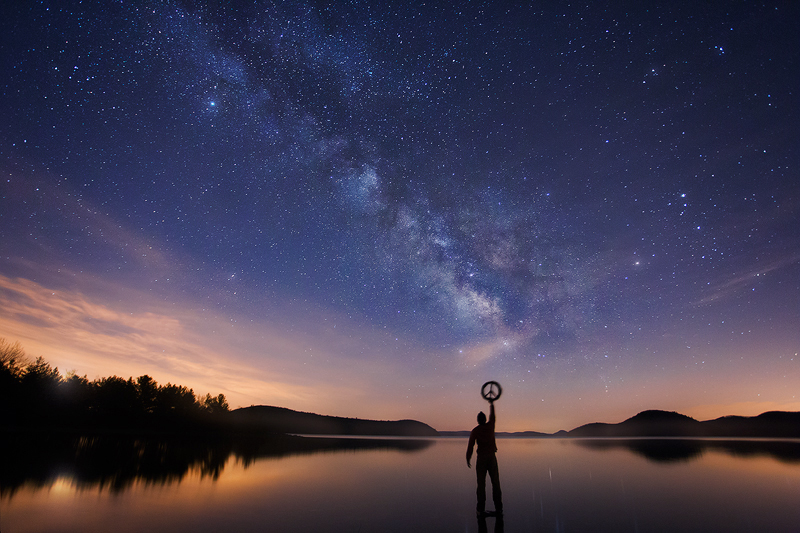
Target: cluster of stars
{"points": [[481, 173]]}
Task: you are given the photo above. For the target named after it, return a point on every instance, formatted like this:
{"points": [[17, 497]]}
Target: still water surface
{"points": [[548, 485]]}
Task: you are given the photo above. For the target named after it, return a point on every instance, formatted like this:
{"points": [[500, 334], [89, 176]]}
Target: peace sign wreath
{"points": [[491, 391]]}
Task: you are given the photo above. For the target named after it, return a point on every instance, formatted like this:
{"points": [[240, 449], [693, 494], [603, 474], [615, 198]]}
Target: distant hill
{"points": [[769, 424], [653, 423], [282, 420]]}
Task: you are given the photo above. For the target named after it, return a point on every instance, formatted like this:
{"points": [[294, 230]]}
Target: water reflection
{"points": [[379, 485], [115, 462], [483, 526], [677, 450]]}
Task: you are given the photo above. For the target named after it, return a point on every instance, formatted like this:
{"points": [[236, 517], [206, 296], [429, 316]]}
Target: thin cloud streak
{"points": [[80, 220], [736, 284], [77, 332]]}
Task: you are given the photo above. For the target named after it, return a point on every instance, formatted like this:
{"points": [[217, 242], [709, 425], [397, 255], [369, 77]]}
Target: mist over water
{"points": [[548, 485]]}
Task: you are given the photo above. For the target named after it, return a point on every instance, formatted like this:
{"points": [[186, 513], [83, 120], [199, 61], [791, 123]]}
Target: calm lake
{"points": [[548, 485]]}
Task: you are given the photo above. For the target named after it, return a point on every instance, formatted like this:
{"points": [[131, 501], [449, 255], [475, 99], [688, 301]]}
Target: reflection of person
{"points": [[499, 526], [483, 435]]}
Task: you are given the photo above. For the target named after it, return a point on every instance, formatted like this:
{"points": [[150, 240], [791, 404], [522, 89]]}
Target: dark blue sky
{"points": [[490, 187]]}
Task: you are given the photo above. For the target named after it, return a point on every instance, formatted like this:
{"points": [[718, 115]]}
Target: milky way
{"points": [[500, 186]]}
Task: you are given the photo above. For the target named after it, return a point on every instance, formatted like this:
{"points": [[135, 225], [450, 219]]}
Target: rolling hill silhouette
{"points": [[654, 423], [282, 420]]}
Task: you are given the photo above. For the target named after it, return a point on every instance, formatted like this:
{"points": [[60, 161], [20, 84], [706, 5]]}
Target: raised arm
{"points": [[491, 413]]}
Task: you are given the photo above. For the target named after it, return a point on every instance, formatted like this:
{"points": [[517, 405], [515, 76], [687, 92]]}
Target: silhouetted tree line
{"points": [[35, 395]]}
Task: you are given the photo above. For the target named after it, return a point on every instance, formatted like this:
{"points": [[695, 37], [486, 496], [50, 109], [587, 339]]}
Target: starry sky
{"points": [[369, 209]]}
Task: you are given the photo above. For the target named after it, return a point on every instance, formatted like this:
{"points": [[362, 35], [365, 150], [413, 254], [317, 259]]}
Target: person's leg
{"points": [[480, 469], [494, 475]]}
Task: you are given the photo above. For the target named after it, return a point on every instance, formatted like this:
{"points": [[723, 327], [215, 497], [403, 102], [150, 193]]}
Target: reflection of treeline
{"points": [[112, 462], [33, 394], [115, 462]]}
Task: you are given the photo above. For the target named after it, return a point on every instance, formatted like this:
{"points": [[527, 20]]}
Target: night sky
{"points": [[370, 208]]}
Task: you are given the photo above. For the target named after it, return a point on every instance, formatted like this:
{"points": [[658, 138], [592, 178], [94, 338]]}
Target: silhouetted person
{"points": [[483, 435]]}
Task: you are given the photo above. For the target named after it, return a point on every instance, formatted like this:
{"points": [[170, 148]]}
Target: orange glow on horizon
{"points": [[314, 368]]}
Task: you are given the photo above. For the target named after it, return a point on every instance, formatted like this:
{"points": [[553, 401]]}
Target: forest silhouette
{"points": [[112, 432], [34, 395]]}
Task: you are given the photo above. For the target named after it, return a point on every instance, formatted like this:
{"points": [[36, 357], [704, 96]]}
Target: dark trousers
{"points": [[488, 464]]}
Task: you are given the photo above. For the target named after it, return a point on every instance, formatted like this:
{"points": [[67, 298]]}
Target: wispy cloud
{"points": [[732, 286], [58, 214], [77, 331], [324, 362]]}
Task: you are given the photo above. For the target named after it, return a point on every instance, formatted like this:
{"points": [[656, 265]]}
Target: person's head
{"points": [[481, 418]]}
